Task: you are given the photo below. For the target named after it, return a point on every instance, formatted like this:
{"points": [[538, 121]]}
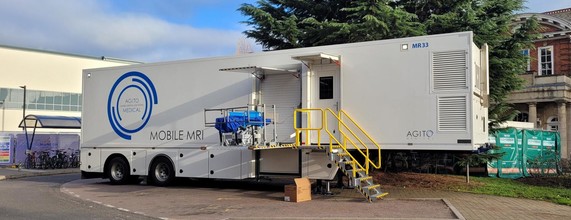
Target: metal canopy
{"points": [[260, 71], [244, 69], [264, 69], [48, 121], [316, 57]]}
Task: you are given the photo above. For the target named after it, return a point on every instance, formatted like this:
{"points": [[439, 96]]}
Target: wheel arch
{"points": [[173, 164], [111, 157]]}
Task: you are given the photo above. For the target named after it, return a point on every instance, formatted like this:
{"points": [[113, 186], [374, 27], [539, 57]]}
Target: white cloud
{"points": [[540, 6], [92, 28]]}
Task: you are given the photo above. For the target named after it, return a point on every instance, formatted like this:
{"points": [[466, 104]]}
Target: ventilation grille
{"points": [[449, 70], [452, 113]]}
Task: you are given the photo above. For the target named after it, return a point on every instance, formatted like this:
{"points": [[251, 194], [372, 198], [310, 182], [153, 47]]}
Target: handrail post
{"points": [[309, 126], [368, 161], [296, 129], [323, 125]]}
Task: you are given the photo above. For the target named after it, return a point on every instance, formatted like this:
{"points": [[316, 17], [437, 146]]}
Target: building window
{"points": [[553, 123], [326, 87], [545, 61], [41, 100], [523, 117], [525, 53]]}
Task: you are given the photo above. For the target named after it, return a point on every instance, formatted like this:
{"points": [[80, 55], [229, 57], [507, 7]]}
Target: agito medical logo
{"points": [[130, 103]]}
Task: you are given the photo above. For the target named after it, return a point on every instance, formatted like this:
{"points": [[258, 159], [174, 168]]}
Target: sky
{"points": [[140, 30]]}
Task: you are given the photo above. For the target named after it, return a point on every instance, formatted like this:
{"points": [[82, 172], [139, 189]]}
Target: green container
{"points": [[492, 166], [526, 153], [532, 152], [550, 153], [510, 164]]}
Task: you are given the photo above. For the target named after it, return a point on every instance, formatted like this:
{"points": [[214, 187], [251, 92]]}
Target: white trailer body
{"points": [[418, 93]]}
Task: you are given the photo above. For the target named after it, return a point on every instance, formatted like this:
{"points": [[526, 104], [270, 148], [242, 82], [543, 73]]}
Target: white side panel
{"points": [[283, 91], [193, 163], [91, 160], [139, 162], [225, 163], [317, 165], [393, 94], [248, 164], [121, 110], [284, 161]]}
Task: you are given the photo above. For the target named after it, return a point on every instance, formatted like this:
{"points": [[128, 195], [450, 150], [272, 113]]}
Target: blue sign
{"points": [[419, 45], [130, 103], [5, 148]]}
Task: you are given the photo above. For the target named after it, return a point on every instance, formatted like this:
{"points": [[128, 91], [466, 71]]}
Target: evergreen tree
{"points": [[282, 24]]}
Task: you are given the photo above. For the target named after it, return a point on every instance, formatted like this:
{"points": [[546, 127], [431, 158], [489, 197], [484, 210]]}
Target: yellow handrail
{"points": [[309, 128], [341, 112], [366, 155], [332, 138]]}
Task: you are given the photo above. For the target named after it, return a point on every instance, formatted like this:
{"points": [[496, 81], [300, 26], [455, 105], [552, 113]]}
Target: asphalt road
{"points": [[40, 198]]}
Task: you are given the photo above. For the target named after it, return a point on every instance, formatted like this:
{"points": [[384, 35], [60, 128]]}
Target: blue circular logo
{"points": [[130, 103]]}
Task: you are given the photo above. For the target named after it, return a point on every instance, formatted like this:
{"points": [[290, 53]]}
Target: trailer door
{"points": [[325, 94], [282, 90]]}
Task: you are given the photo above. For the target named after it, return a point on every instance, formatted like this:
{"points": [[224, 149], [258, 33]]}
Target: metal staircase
{"points": [[359, 176], [343, 148]]}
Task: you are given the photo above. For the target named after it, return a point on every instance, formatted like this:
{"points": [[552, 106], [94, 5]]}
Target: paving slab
{"points": [[244, 200], [7, 172], [236, 200]]}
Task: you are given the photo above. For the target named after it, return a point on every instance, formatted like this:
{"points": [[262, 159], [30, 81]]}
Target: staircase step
{"points": [[370, 187], [378, 196], [357, 170], [343, 154], [350, 162], [362, 179]]}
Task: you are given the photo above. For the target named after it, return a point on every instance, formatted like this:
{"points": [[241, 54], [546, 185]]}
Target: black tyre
{"points": [[118, 171], [161, 172]]}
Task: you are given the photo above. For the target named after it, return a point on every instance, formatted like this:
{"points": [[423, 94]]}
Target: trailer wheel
{"points": [[118, 171], [162, 172]]}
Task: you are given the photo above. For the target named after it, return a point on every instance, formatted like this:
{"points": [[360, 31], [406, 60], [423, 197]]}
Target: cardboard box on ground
{"points": [[299, 192]]}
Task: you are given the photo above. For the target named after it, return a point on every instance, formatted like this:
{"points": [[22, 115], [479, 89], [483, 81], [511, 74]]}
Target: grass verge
{"points": [[513, 188]]}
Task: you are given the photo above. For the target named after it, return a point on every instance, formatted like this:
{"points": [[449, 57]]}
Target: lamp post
{"points": [[24, 106], [3, 112], [28, 147]]}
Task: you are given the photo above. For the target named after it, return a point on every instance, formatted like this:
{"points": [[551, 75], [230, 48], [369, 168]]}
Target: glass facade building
{"points": [[41, 100]]}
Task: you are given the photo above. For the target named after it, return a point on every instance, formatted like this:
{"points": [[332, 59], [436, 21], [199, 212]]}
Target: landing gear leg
{"points": [[328, 188]]}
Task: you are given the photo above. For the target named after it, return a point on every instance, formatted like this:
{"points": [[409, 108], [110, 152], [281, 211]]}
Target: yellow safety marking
{"points": [[374, 186], [382, 195], [366, 178]]}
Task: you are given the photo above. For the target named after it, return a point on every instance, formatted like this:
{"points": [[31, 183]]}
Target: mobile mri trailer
{"points": [[302, 112]]}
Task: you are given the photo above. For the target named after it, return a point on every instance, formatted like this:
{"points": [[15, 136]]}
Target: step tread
{"points": [[371, 186], [379, 195], [365, 178], [357, 170]]}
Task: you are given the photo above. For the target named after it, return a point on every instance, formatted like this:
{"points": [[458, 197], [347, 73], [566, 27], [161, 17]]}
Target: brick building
{"points": [[546, 97]]}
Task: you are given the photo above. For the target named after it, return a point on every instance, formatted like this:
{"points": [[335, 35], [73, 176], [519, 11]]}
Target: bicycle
{"points": [[44, 160], [74, 159], [30, 162]]}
